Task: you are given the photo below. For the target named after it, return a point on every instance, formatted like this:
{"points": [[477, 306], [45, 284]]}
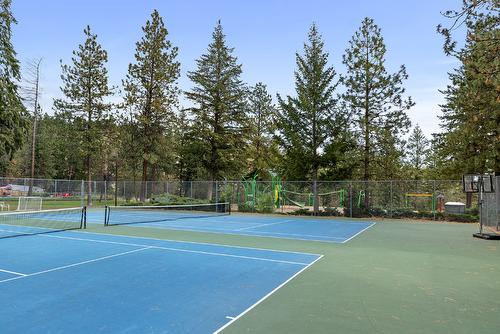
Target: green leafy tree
{"points": [[262, 150], [470, 141], [85, 87], [375, 97], [417, 152], [307, 121], [13, 117], [152, 93], [219, 97]]}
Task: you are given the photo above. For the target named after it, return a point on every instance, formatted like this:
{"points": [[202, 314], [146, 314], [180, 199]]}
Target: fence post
{"points": [[350, 199], [105, 192], [191, 189], [390, 201], [216, 192], [82, 193], [433, 205]]}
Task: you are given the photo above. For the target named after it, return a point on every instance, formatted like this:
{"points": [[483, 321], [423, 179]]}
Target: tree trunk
{"points": [[89, 181]]}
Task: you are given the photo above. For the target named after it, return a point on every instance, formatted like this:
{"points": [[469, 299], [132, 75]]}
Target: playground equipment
{"points": [[249, 190], [361, 197], [277, 188], [326, 199], [409, 196]]}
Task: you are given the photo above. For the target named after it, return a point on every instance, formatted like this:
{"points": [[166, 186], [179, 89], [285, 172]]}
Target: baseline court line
{"points": [[191, 242], [265, 297], [12, 272], [75, 264], [261, 225], [180, 250]]}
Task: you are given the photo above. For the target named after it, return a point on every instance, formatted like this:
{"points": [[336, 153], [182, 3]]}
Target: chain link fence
{"points": [[392, 199], [490, 210]]}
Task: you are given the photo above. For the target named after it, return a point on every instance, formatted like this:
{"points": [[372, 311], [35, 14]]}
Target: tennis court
{"points": [[213, 218], [90, 283]]}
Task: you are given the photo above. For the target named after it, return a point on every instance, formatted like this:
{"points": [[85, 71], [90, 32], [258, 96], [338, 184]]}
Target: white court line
{"points": [[260, 225], [265, 297], [75, 264], [180, 250], [183, 227], [277, 235], [358, 233], [195, 242], [12, 272], [168, 224]]}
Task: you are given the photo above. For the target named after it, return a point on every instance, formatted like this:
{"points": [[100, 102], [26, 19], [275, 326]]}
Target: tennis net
{"points": [[121, 215], [14, 224]]}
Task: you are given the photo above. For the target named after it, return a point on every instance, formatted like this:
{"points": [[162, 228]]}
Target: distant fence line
{"points": [[343, 198]]}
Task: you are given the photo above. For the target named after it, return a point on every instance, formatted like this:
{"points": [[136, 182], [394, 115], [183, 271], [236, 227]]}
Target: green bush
{"points": [[264, 203], [246, 207]]}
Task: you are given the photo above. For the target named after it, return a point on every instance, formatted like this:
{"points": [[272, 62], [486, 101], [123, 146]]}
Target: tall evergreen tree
{"points": [[85, 86], [417, 152], [189, 149], [219, 96], [13, 122], [375, 97], [152, 92], [307, 120], [262, 151], [470, 142]]}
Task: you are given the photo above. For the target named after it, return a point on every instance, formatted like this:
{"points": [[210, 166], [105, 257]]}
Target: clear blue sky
{"points": [[265, 35]]}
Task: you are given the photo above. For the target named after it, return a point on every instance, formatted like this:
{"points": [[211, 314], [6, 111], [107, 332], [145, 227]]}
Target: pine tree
{"points": [[219, 96], [152, 93], [470, 142], [262, 151], [375, 97], [86, 89], [307, 121], [189, 149], [417, 152], [13, 117]]}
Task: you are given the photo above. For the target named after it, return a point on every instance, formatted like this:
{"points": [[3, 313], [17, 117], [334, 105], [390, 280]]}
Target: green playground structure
{"points": [[254, 195], [308, 198]]}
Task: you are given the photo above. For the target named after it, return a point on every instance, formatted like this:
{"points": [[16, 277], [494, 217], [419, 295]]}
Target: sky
{"points": [[265, 34]]}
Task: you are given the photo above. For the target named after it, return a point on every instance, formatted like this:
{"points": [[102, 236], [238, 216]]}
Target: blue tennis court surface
{"points": [[299, 228], [73, 282]]}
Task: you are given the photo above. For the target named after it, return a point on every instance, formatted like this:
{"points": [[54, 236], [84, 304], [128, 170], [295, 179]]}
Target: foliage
{"points": [[151, 92], [219, 117], [470, 141], [262, 151], [13, 122], [310, 122], [85, 87], [376, 99], [170, 199], [417, 151], [189, 148]]}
